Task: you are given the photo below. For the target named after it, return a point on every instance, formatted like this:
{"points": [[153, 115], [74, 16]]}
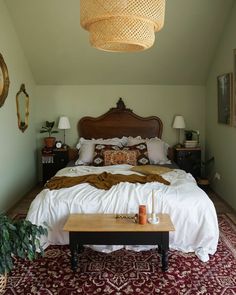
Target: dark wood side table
{"points": [[100, 229], [53, 161], [189, 159]]}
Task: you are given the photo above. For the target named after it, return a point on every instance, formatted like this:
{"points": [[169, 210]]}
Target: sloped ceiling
{"points": [[58, 50]]}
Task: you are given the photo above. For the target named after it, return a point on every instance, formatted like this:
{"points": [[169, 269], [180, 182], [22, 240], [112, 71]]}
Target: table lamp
{"points": [[179, 124], [64, 124]]}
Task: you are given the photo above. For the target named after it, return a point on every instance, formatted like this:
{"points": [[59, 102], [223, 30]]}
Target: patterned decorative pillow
{"points": [[142, 158], [98, 159], [112, 157]]}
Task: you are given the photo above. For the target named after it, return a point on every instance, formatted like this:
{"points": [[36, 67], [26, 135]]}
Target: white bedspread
{"points": [[192, 212]]}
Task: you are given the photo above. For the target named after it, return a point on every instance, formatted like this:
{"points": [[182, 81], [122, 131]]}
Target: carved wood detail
{"points": [[118, 122]]}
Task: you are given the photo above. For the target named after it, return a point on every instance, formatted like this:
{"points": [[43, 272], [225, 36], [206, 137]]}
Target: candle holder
{"points": [[153, 219]]}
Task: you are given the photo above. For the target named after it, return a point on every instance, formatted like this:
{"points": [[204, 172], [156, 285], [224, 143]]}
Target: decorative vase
{"points": [[3, 283], [49, 142]]}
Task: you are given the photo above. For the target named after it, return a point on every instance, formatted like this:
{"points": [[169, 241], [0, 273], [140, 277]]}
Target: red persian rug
{"points": [[127, 272]]}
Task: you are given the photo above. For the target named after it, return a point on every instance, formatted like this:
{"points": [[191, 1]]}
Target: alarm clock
{"points": [[58, 144]]}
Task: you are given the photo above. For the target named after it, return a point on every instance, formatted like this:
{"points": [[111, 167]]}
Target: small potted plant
{"points": [[18, 238], [48, 128], [188, 134]]}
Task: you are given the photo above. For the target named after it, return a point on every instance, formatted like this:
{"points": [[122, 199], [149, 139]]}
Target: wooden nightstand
{"points": [[52, 162], [189, 159]]}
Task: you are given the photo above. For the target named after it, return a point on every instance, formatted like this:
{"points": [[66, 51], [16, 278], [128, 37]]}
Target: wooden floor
{"points": [[22, 207], [221, 206]]}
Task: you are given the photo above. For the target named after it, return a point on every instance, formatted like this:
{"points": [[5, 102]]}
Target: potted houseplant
{"points": [[18, 238], [188, 134], [48, 128]]}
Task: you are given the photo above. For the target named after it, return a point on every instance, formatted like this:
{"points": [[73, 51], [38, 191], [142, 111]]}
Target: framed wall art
{"points": [[234, 93], [4, 81], [225, 98]]}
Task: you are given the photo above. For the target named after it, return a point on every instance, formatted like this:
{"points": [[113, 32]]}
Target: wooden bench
{"points": [[106, 229]]}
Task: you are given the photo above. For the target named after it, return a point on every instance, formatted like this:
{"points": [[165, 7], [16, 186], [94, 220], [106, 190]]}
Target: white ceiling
{"points": [[58, 50]]}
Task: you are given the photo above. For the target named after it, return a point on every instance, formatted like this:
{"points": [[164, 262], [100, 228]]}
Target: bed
{"points": [[192, 212]]}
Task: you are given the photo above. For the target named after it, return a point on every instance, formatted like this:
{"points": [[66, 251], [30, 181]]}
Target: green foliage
{"points": [[188, 134], [18, 238], [48, 128]]}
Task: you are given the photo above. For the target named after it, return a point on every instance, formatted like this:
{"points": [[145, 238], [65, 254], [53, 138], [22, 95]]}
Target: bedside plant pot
{"points": [[49, 142], [3, 283]]}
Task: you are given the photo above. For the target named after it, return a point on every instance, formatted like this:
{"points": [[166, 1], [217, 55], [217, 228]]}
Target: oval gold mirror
{"points": [[4, 81], [22, 106]]}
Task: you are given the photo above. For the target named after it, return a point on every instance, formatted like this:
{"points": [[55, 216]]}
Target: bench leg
{"points": [[164, 260], [163, 250], [74, 257], [74, 247]]}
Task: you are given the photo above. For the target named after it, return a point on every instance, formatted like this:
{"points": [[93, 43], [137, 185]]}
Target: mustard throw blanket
{"points": [[101, 181]]}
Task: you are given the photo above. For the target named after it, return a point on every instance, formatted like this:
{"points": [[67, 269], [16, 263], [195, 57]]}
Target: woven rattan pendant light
{"points": [[122, 25]]}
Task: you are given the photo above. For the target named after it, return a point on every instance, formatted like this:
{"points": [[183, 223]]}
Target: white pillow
{"points": [[86, 148], [157, 149]]}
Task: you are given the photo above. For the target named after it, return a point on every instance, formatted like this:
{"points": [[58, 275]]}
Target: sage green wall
{"points": [[220, 138], [145, 100], [17, 168]]}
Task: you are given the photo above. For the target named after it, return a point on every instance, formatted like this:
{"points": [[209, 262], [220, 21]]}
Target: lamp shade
{"points": [[179, 122], [64, 123]]}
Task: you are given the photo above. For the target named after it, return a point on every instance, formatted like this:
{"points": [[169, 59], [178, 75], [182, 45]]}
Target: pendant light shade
{"points": [[122, 25]]}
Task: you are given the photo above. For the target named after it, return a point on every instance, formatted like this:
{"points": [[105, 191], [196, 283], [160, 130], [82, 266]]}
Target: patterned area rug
{"points": [[128, 272]]}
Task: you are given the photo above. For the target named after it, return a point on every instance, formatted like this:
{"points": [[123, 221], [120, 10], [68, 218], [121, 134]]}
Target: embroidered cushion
{"points": [[98, 159], [86, 148], [115, 157], [142, 155]]}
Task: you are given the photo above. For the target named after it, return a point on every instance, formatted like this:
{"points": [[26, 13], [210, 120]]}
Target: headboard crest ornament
{"points": [[120, 106]]}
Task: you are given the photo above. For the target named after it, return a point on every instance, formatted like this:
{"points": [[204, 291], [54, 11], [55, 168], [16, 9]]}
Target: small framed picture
{"points": [[225, 98], [234, 93]]}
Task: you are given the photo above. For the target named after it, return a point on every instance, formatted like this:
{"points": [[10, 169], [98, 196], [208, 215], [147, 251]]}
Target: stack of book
{"points": [[191, 143]]}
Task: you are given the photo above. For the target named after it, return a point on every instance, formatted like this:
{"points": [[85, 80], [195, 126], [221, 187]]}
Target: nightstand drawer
{"points": [[61, 158], [189, 160], [53, 162]]}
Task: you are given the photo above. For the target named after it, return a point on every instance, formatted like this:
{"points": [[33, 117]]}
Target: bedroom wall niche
{"points": [[22, 107], [220, 139], [144, 100]]}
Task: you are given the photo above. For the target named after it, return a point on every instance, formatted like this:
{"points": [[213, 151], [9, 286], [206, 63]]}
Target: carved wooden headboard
{"points": [[118, 122]]}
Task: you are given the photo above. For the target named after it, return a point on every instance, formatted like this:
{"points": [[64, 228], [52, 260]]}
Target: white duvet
{"points": [[192, 212]]}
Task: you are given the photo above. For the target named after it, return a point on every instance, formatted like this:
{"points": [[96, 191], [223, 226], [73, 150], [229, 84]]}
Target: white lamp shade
{"points": [[179, 122], [64, 123]]}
